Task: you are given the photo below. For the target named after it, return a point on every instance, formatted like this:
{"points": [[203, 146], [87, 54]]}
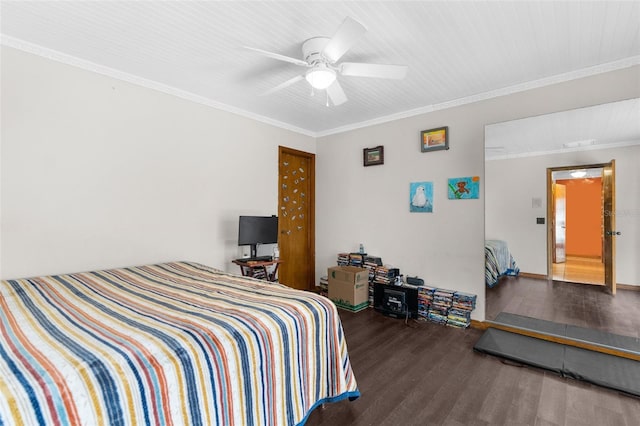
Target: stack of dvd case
{"points": [[385, 275], [356, 259], [460, 318], [371, 263], [259, 273], [425, 297], [439, 308], [343, 259], [324, 286], [464, 301], [461, 307]]}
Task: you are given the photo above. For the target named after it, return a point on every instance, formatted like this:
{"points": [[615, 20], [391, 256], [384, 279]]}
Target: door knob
{"points": [[614, 233]]}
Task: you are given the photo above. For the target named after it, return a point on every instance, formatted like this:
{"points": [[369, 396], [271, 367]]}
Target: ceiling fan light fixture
{"points": [[320, 77], [579, 173]]}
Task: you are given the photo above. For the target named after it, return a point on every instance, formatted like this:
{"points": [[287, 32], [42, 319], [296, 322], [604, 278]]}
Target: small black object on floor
{"points": [[606, 370]]}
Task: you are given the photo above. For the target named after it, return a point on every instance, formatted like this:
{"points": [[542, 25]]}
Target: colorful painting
{"points": [[421, 197], [464, 188], [434, 139]]}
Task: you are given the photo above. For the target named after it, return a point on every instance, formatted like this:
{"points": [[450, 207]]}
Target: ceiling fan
{"points": [[321, 55]]}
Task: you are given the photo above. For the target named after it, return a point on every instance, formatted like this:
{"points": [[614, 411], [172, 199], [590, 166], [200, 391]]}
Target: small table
{"points": [[259, 268]]}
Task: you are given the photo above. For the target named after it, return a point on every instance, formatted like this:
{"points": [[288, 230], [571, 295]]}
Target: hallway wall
{"points": [[584, 217]]}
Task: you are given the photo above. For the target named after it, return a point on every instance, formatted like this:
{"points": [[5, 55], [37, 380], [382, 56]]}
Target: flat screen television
{"points": [[255, 230]]}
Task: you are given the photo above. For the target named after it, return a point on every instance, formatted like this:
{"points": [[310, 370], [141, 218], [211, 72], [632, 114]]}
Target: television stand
{"points": [[259, 269]]}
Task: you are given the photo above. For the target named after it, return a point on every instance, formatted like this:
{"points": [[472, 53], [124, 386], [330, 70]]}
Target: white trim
{"points": [[534, 84], [110, 72], [150, 84], [562, 150]]}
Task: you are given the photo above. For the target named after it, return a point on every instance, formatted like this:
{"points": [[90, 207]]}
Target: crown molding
{"points": [[149, 84], [561, 151], [534, 84], [130, 78]]}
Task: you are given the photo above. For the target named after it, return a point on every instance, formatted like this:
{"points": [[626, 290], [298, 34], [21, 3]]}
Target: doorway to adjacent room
{"points": [[580, 249]]}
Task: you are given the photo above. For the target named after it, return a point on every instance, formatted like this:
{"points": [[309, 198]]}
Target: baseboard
{"points": [[628, 287], [530, 275], [584, 256], [480, 325]]}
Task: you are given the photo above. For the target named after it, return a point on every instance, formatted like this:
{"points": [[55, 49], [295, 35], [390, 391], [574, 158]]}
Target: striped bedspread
{"points": [[498, 262], [176, 343]]}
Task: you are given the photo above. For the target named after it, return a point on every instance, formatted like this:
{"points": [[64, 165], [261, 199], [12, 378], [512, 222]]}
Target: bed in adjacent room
{"points": [[498, 262], [173, 343]]}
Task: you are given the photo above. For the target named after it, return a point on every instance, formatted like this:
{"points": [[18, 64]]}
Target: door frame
{"points": [[608, 219], [557, 188], [609, 225]]}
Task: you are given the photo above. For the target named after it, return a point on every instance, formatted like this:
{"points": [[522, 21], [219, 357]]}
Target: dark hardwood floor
{"points": [[582, 305], [428, 374]]}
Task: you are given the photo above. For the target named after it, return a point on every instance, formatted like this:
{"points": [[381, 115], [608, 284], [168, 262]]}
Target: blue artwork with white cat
{"points": [[421, 197]]}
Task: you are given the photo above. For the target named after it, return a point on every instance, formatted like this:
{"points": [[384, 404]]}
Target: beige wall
{"points": [[100, 173], [370, 204]]}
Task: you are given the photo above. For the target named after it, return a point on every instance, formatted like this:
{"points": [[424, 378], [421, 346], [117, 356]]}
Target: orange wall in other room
{"points": [[584, 217]]}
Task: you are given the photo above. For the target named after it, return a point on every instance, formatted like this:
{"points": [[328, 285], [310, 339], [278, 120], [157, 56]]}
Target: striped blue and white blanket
{"points": [[498, 262], [176, 343]]}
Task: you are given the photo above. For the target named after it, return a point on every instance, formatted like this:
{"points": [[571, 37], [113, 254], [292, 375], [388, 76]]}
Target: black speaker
{"points": [[395, 301]]}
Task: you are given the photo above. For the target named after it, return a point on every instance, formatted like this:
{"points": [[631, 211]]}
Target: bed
{"points": [[498, 262], [174, 343]]}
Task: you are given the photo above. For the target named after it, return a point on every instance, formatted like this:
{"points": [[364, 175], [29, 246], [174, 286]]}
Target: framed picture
{"points": [[464, 188], [434, 139], [373, 156], [421, 197]]}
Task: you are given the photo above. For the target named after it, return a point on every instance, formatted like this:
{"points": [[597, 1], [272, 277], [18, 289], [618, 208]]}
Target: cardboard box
{"points": [[349, 287]]}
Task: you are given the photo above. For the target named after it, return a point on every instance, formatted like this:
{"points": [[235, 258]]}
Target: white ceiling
{"points": [[602, 126], [456, 52]]}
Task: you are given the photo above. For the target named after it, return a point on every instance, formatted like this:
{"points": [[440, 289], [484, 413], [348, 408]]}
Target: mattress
{"points": [[174, 343]]}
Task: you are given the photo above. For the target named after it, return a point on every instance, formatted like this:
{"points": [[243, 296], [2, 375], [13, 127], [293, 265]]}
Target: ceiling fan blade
{"points": [[283, 85], [356, 69], [279, 57], [346, 36], [336, 94]]}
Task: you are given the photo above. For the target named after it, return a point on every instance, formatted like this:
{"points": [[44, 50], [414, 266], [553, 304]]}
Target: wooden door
{"points": [[296, 218], [559, 223], [609, 218]]}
